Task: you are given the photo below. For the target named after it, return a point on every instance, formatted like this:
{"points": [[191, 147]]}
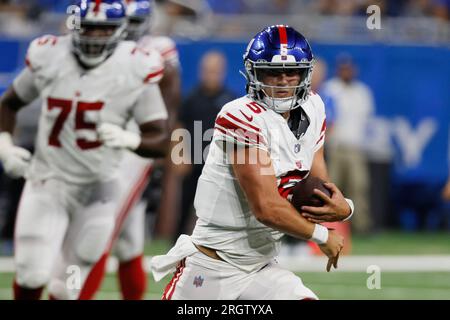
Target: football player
{"points": [[274, 133], [128, 239], [91, 84]]}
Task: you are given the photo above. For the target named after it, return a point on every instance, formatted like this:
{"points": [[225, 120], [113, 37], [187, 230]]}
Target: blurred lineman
{"points": [[262, 140], [91, 84], [129, 235], [347, 160]]}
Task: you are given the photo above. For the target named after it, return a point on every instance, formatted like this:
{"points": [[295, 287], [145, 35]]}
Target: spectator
{"points": [[446, 191], [348, 165], [318, 77], [202, 105], [441, 9]]}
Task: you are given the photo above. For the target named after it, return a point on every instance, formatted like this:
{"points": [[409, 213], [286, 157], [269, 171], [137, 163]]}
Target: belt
{"points": [[212, 253]]}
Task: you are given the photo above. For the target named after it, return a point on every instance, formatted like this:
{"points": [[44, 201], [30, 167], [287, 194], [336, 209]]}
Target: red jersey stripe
{"points": [[320, 139], [168, 51], [153, 75], [243, 122], [324, 125]]}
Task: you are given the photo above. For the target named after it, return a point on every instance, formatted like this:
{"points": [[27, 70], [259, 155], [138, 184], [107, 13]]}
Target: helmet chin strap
{"points": [[280, 105]]}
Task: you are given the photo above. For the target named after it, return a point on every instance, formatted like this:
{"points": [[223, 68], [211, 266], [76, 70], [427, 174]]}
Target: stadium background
{"points": [[406, 65]]}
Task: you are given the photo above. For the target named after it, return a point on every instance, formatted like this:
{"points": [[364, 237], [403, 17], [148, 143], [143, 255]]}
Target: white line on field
{"points": [[416, 263]]}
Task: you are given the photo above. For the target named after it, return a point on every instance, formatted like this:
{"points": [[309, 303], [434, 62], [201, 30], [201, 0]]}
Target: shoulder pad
{"points": [[147, 64], [42, 51], [317, 102], [244, 109], [238, 119], [164, 45]]}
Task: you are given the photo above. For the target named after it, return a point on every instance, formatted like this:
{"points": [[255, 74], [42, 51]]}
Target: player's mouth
{"points": [[283, 93]]}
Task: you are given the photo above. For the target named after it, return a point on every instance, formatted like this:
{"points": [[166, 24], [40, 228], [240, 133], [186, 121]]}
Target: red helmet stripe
{"points": [[283, 35], [97, 5]]}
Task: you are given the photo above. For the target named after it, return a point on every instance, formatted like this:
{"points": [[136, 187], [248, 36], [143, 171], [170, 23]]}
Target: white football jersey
{"points": [[225, 221], [164, 45], [76, 101]]}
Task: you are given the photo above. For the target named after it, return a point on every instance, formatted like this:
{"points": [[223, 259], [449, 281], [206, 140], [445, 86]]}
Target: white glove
{"points": [[15, 160], [114, 136]]}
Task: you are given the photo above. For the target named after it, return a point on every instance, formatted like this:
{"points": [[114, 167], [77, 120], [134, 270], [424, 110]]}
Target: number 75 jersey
{"points": [[75, 101]]}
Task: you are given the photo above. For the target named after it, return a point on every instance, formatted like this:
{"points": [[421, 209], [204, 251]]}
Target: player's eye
{"points": [[276, 72]]}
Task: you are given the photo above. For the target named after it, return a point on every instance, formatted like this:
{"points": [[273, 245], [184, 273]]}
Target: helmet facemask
{"points": [[265, 94], [94, 42]]}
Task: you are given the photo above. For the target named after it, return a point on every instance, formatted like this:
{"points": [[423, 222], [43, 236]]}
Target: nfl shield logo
{"points": [[297, 148], [198, 281]]}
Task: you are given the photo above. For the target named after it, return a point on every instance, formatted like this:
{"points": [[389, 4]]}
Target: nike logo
{"points": [[246, 116]]}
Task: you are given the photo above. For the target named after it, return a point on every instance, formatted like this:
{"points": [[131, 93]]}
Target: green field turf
{"points": [[385, 243], [337, 285]]}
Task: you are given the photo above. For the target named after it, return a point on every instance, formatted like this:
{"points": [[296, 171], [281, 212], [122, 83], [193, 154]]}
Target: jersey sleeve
{"points": [[148, 65], [169, 52], [321, 124], [150, 106], [239, 126], [25, 87], [40, 52]]}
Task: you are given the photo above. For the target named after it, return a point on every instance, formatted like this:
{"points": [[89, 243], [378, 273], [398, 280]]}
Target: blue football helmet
{"points": [[275, 50], [139, 13], [103, 26]]}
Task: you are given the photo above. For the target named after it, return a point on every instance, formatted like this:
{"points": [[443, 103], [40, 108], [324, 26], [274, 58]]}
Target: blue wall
{"points": [[410, 85]]}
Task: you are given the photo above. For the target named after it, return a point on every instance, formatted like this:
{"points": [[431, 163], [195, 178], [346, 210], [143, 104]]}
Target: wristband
{"points": [[352, 209], [320, 234]]}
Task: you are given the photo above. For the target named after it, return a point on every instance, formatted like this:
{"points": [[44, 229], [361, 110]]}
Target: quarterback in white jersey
{"points": [[91, 84], [127, 242], [274, 134]]}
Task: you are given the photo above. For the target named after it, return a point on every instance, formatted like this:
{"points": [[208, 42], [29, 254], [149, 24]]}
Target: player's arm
{"points": [[10, 104], [257, 179], [170, 90], [19, 94], [154, 139], [151, 115], [15, 160], [336, 207]]}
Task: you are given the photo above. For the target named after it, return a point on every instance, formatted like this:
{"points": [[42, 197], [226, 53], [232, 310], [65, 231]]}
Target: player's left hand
{"points": [[334, 208], [114, 136]]}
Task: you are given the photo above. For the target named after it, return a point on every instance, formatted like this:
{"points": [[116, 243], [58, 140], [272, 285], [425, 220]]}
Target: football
{"points": [[303, 193]]}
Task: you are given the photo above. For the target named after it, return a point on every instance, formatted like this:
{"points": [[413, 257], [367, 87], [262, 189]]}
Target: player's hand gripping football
{"points": [[114, 136], [15, 160], [332, 248], [334, 208]]}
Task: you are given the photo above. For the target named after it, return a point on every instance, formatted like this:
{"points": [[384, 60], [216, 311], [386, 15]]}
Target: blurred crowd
{"points": [[411, 8], [194, 17], [437, 8]]}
